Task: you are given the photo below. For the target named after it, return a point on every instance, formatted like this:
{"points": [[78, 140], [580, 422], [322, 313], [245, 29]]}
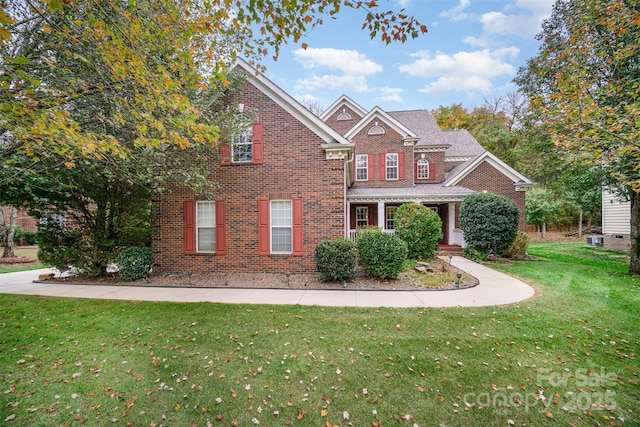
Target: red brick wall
{"points": [[486, 177], [343, 126], [294, 167], [390, 142]]}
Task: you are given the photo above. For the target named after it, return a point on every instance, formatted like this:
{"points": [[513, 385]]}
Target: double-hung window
{"points": [[242, 145], [390, 217], [281, 227], [206, 226], [362, 167], [423, 169], [362, 216], [392, 166]]}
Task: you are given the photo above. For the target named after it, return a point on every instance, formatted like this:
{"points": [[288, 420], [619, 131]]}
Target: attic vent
{"points": [[376, 130], [344, 115]]}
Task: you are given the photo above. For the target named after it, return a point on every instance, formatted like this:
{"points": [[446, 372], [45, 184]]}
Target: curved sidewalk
{"points": [[495, 288]]}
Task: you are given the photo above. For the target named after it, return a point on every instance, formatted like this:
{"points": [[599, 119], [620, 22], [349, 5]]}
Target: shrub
{"points": [[336, 260], [489, 222], [420, 227], [21, 235], [63, 247], [134, 263], [381, 253], [518, 248]]}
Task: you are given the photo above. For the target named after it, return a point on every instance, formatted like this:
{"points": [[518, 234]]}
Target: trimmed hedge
{"points": [[336, 260], [134, 263], [489, 222], [381, 253], [420, 227]]}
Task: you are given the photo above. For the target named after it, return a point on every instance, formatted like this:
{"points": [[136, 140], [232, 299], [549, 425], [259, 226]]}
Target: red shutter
{"points": [[371, 163], [225, 153], [189, 227], [298, 227], [383, 166], [263, 226], [401, 166], [258, 142], [432, 170], [221, 228]]}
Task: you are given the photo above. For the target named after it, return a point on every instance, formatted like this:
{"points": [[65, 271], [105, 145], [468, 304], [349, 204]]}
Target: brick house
{"points": [[292, 179]]}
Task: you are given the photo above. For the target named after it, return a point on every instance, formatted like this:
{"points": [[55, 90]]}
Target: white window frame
{"points": [[362, 214], [205, 222], [390, 214], [280, 222], [362, 167], [391, 166], [423, 169], [242, 142]]}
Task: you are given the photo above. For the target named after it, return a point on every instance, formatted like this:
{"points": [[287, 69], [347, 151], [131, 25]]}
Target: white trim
{"points": [[341, 102], [519, 180], [378, 114]]}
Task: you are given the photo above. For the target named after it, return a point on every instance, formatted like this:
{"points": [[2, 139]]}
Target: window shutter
{"points": [[221, 228], [258, 143], [263, 226], [401, 166], [432, 170], [383, 166], [371, 164], [189, 227], [298, 227], [225, 153]]}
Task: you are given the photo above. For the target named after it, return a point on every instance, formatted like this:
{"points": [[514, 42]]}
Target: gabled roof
{"points": [[422, 123], [381, 115], [293, 107], [460, 172], [339, 104]]}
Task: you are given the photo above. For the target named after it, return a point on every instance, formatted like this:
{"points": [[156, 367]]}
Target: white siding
{"points": [[616, 215]]}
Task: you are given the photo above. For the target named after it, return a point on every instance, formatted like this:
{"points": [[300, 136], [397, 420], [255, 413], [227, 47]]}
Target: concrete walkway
{"points": [[495, 288]]}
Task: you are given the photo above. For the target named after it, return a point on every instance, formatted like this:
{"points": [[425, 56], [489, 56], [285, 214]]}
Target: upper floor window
{"points": [[362, 167], [281, 227], [242, 143], [206, 226], [423, 169], [392, 166]]}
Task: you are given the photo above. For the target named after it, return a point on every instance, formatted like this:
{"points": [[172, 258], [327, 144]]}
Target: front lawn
{"points": [[18, 264], [567, 357]]}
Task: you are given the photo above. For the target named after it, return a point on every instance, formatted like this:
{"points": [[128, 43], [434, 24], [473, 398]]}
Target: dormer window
{"points": [[423, 169]]}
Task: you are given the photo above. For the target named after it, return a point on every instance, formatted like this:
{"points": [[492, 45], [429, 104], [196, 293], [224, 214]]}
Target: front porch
{"points": [[381, 215]]}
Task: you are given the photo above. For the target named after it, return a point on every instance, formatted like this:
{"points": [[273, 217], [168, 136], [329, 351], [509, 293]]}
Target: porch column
{"points": [[382, 218], [452, 223]]}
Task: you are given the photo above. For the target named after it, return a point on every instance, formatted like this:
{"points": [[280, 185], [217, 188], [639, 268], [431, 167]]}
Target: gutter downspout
{"points": [[346, 207]]}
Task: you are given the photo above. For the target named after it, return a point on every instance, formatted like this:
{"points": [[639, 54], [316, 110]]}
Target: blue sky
{"points": [[472, 51]]}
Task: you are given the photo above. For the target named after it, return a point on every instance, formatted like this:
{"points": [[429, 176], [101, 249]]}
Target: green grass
{"points": [[72, 362], [28, 252]]}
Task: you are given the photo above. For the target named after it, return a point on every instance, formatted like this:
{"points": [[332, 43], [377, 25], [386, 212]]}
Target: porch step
{"points": [[453, 250]]}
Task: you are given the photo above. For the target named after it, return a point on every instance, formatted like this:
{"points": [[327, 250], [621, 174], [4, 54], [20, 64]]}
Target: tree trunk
{"points": [[8, 231], [634, 265], [580, 224]]}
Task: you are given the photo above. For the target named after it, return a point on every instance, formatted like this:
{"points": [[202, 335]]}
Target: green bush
{"points": [[134, 263], [21, 235], [518, 248], [381, 253], [336, 260], [420, 227], [489, 222]]}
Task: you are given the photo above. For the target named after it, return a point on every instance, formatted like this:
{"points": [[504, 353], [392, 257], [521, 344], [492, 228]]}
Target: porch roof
{"points": [[417, 193]]}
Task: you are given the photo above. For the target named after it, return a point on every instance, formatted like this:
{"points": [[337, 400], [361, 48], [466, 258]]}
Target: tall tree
{"points": [[103, 102], [584, 85]]}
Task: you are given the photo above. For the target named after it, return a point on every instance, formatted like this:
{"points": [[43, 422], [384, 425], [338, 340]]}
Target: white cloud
{"points": [[457, 13], [461, 71], [390, 94], [335, 69]]}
